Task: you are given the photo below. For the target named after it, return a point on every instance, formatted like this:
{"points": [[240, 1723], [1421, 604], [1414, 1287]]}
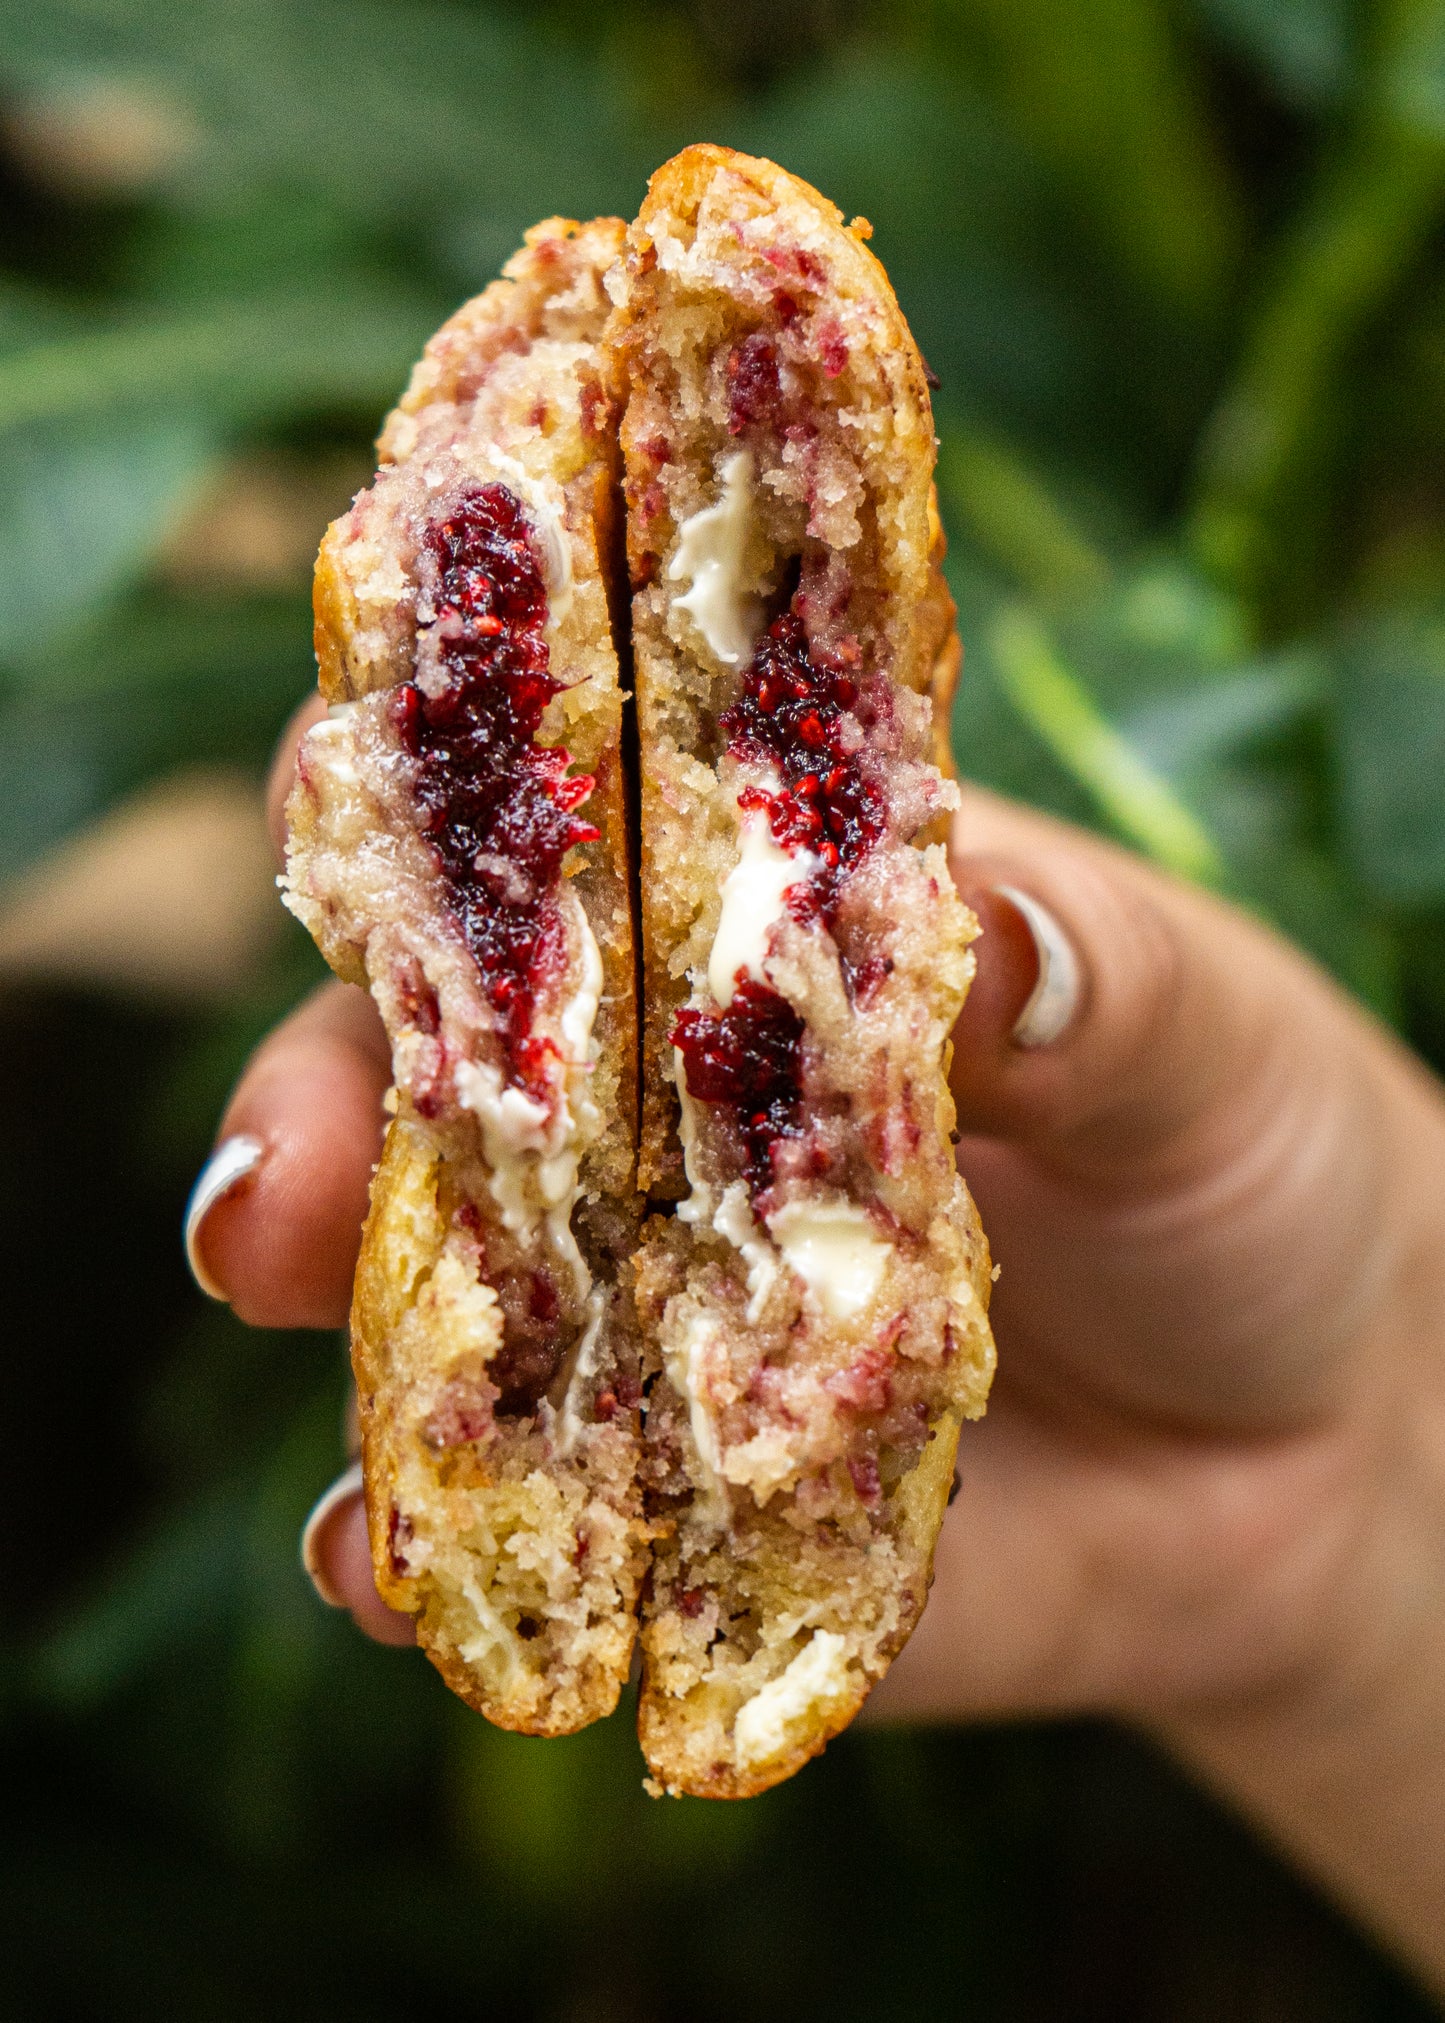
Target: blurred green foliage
{"points": [[1180, 269]]}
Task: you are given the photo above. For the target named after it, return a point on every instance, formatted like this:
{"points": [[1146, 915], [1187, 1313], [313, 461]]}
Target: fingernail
{"points": [[1055, 996], [230, 1163], [343, 1490]]}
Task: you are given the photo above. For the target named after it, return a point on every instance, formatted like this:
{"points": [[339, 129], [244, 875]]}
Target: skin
{"points": [[1209, 1494]]}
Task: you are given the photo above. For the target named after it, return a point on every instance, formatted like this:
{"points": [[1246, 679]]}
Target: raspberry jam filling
{"points": [[748, 1060], [789, 717], [497, 807]]}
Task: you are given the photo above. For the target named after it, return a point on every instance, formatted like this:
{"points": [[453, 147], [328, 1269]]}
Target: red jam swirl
{"points": [[790, 716], [747, 1061], [497, 808]]}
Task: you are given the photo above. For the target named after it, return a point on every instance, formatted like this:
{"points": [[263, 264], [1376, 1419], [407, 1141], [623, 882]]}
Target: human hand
{"points": [[1212, 1198]]}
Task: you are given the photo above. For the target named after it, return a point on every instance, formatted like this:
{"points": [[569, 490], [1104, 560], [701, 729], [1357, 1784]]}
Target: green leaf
{"points": [[162, 683], [1103, 91], [1140, 803], [1261, 489], [1190, 732], [170, 1590], [392, 111], [82, 510], [238, 358], [1013, 518], [1302, 46], [106, 433]]}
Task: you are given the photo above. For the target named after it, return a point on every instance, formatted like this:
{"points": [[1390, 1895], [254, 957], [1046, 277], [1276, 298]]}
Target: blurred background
{"points": [[1180, 266]]}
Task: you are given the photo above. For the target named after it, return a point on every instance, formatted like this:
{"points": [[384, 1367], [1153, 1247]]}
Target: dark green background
{"points": [[1180, 270]]}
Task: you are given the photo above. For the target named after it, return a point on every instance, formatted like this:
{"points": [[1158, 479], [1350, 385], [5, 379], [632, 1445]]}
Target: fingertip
{"points": [[282, 1247], [1114, 1006], [229, 1167], [1027, 993], [1049, 1009], [336, 1553], [1008, 970]]}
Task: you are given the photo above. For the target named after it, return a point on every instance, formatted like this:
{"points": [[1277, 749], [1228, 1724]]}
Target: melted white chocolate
{"points": [[832, 1247], [753, 901], [817, 1677], [685, 1358], [712, 548]]}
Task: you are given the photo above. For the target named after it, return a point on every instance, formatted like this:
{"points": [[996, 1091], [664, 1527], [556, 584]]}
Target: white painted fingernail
{"points": [[1055, 996], [345, 1489], [226, 1168]]}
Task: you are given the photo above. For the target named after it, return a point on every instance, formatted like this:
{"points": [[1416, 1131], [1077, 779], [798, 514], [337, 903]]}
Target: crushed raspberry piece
{"points": [[867, 1382], [419, 1004], [748, 1062], [462, 1414], [596, 409], [789, 717], [864, 978], [754, 388], [833, 349], [799, 263], [497, 807], [863, 1468]]}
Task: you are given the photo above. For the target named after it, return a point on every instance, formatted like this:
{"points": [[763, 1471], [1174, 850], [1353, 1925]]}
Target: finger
{"points": [[1193, 1165], [336, 1553], [1179, 1000], [283, 770], [280, 1240]]}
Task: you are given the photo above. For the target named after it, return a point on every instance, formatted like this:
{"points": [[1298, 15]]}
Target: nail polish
{"points": [[1054, 998], [343, 1490], [233, 1160]]}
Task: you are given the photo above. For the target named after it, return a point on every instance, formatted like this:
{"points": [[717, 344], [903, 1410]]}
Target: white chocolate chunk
{"points": [[753, 895], [832, 1247], [723, 602], [817, 1677], [686, 1357], [733, 1221], [570, 1424], [544, 501]]}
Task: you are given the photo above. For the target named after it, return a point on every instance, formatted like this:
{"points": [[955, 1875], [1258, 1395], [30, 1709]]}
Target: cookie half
{"points": [[816, 1305], [459, 846]]}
